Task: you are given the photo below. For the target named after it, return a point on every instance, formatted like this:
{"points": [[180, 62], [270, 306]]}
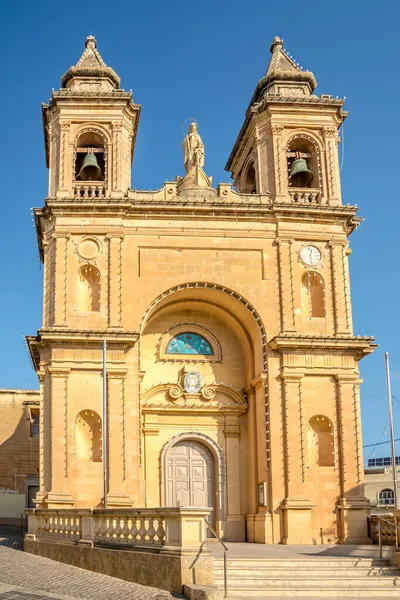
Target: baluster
{"points": [[142, 530], [150, 530], [117, 529], [126, 530]]}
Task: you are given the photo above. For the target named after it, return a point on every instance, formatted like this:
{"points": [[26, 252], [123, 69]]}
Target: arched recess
{"points": [[320, 442], [88, 288], [88, 436], [248, 177], [216, 451], [249, 328], [313, 295]]}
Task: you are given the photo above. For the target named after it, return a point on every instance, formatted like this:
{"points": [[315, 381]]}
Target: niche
{"points": [[88, 439], [90, 157], [320, 446], [312, 295], [88, 289]]}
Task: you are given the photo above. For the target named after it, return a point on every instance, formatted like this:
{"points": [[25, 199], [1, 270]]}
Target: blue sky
{"points": [[203, 60]]}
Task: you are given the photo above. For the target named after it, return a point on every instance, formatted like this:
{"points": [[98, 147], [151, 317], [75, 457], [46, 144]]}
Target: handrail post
{"points": [[225, 558], [225, 574], [380, 538]]}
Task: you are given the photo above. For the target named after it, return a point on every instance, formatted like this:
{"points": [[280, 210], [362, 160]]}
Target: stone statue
{"points": [[193, 149]]}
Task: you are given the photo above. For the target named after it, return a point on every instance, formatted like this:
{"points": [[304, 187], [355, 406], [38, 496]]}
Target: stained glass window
{"points": [[188, 343]]}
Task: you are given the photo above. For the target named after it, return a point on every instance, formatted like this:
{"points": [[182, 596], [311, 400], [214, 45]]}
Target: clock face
{"points": [[310, 255]]}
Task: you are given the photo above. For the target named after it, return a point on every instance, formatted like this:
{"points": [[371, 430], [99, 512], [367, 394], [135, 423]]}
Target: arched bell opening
{"points": [[248, 178], [90, 157], [302, 163]]}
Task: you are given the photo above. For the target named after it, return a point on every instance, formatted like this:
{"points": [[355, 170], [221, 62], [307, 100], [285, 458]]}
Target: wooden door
{"points": [[190, 476]]}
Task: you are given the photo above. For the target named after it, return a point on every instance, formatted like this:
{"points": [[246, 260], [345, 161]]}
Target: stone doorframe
{"points": [[219, 462]]}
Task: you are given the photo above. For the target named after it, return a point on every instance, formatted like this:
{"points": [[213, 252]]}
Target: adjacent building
{"points": [[19, 453]]}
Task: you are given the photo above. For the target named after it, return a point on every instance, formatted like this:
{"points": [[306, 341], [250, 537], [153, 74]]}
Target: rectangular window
{"points": [[34, 422]]}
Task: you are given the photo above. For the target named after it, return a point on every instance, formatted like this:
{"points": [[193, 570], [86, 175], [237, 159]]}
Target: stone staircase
{"points": [[309, 577]]}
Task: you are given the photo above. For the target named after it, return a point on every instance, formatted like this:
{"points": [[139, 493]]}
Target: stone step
{"points": [[319, 583], [340, 572], [305, 592], [245, 563]]}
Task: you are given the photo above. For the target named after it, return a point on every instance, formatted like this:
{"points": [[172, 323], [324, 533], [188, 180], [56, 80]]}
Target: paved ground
{"points": [[24, 576], [236, 550]]}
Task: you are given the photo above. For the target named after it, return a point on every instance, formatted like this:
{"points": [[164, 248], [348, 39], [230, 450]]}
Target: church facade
{"points": [[232, 367]]}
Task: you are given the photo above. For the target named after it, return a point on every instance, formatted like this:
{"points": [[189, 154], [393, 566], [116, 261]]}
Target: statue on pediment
{"points": [[193, 149]]}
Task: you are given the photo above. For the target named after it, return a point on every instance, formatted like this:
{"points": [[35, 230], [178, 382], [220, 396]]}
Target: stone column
{"points": [[331, 139], [116, 440], [340, 301], [353, 507], [59, 496], [115, 279], [60, 279], [279, 176], [252, 467], [285, 262], [118, 157], [296, 506], [234, 520], [152, 474]]}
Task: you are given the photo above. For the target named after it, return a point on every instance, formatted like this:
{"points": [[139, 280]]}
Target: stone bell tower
{"points": [[90, 118], [287, 154], [90, 128], [285, 122]]}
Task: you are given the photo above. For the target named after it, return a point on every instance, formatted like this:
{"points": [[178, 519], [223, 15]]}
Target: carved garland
{"points": [[219, 460]]}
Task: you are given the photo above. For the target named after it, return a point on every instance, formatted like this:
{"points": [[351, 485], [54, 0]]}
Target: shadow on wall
{"points": [[19, 459]]}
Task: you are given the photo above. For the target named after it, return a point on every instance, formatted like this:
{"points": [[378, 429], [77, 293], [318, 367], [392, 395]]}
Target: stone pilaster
{"points": [[279, 176], [340, 301], [115, 280], [235, 529], [116, 440], [286, 284], [60, 279], [331, 139], [353, 506], [118, 158], [59, 496], [296, 506]]}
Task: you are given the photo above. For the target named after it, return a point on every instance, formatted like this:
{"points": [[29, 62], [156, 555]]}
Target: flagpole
{"points": [[105, 425], [394, 466]]}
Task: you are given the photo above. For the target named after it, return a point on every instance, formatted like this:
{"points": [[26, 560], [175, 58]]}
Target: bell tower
{"points": [[287, 147], [90, 128]]}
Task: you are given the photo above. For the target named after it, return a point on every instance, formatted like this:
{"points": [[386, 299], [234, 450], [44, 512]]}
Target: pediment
{"points": [[210, 398]]}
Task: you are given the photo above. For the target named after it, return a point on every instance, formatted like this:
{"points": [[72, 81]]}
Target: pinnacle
{"points": [[277, 43]]}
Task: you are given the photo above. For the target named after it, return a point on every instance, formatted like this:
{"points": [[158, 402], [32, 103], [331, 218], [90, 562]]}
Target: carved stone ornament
{"points": [[175, 392], [88, 248], [208, 392], [330, 132], [192, 382]]}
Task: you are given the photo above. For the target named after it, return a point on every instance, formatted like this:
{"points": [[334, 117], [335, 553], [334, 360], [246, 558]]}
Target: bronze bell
{"points": [[300, 175], [90, 170]]}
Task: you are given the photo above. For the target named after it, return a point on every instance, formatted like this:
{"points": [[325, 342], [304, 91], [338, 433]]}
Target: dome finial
{"points": [[90, 42], [276, 44]]}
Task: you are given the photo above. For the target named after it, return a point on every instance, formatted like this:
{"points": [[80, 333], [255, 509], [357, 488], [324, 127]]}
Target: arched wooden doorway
{"points": [[190, 476]]}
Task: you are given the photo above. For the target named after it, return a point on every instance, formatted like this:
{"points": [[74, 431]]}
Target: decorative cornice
{"points": [[360, 346]]}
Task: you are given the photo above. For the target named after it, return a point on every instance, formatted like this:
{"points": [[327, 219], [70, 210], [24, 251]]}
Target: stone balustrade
{"points": [[305, 195], [168, 529], [89, 190], [388, 532]]}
